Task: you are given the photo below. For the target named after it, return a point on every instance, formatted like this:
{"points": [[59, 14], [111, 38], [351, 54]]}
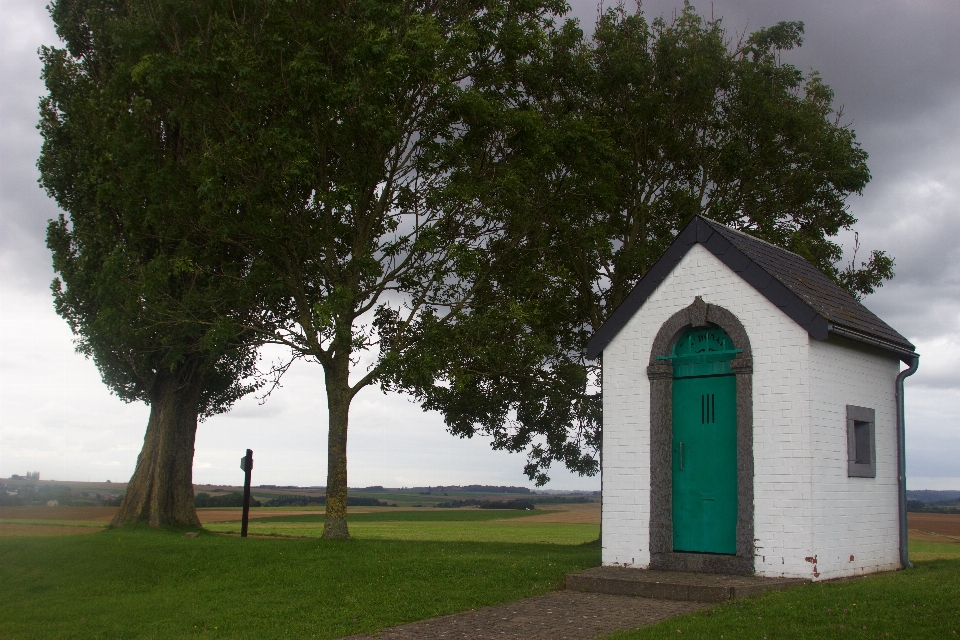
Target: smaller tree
{"points": [[157, 303], [344, 134], [626, 136]]}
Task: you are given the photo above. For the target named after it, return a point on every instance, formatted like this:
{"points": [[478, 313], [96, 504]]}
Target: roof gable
{"points": [[796, 287]]}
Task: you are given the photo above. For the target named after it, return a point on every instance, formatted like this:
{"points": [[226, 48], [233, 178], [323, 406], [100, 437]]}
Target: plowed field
{"points": [[923, 526], [99, 514], [935, 525], [568, 513]]}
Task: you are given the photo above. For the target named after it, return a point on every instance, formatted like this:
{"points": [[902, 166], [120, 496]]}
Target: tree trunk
{"points": [[160, 492], [338, 409]]}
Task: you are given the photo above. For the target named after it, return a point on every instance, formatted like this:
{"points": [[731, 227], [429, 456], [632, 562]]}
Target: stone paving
{"points": [[561, 615]]}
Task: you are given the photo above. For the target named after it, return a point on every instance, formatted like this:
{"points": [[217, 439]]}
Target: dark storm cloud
{"points": [[895, 67], [24, 207], [895, 70]]}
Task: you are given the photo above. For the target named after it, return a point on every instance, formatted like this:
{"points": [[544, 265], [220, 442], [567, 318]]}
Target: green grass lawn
{"points": [[400, 567], [142, 583], [921, 551], [95, 524], [476, 525], [922, 603], [434, 515]]}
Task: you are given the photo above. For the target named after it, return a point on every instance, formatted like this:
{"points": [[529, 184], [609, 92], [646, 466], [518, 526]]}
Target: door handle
{"points": [[681, 456]]}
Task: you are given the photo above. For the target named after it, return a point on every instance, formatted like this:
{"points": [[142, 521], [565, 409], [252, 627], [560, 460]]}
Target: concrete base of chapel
{"points": [[674, 585]]}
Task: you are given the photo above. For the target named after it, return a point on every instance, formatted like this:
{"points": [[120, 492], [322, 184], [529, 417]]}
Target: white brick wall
{"points": [[802, 495], [854, 516]]}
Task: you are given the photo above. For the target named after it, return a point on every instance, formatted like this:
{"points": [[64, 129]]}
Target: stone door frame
{"points": [[660, 373]]}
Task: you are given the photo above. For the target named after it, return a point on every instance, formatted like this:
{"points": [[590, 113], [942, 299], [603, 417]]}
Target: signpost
{"points": [[246, 463]]}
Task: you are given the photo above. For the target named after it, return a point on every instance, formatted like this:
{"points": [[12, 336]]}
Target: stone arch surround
{"points": [[660, 373]]}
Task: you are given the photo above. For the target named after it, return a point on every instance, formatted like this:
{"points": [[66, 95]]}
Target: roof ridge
{"points": [[803, 292], [751, 237]]}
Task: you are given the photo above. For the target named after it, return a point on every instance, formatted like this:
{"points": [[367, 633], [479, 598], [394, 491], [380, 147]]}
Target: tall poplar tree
{"points": [[155, 300], [344, 136]]}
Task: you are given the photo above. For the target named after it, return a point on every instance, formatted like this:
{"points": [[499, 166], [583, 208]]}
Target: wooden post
{"points": [[246, 463]]}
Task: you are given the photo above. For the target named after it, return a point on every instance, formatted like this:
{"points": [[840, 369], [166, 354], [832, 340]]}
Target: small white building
{"points": [[752, 422]]}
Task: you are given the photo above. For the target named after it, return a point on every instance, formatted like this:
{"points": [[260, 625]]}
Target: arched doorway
{"points": [[704, 449], [699, 316]]}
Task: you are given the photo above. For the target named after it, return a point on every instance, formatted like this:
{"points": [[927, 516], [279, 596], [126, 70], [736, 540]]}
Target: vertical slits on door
{"points": [[708, 409]]}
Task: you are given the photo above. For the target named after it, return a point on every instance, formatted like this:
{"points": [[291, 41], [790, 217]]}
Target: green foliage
{"points": [[11, 501], [146, 289], [63, 495], [522, 505], [142, 583], [303, 501], [482, 184], [916, 506], [616, 142], [930, 496], [923, 602], [232, 499], [456, 504], [333, 138]]}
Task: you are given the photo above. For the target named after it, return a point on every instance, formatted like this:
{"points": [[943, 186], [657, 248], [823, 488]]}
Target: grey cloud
{"points": [[25, 208], [883, 58], [915, 215], [895, 67]]}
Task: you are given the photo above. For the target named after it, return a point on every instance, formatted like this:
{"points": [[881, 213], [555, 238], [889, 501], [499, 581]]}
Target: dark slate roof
{"points": [[803, 292]]}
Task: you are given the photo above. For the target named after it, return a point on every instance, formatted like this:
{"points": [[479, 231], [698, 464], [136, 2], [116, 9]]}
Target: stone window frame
{"points": [[862, 415], [660, 374]]}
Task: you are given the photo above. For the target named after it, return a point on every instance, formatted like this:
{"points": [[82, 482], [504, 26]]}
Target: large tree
{"points": [[630, 133], [152, 297], [344, 135]]}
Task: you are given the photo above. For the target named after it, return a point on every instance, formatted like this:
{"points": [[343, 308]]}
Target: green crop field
{"points": [[437, 515], [142, 583], [475, 525]]}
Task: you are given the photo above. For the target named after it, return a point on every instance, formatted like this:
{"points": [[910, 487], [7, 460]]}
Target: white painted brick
{"points": [[805, 506]]}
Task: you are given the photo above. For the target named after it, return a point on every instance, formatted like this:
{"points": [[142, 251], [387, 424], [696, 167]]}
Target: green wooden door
{"points": [[704, 447]]}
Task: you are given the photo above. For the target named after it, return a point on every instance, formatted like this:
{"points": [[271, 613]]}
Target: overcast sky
{"points": [[895, 68]]}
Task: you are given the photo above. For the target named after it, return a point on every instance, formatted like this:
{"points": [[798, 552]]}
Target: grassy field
{"points": [[401, 566], [922, 603], [149, 584], [476, 525]]}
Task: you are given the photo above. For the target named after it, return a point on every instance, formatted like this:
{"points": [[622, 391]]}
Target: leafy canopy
{"points": [[146, 289], [622, 138]]}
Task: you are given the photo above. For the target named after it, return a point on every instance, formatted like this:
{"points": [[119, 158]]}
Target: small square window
{"points": [[861, 443]]}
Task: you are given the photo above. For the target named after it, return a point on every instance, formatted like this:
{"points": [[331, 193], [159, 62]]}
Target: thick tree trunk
{"points": [[160, 492], [338, 408]]}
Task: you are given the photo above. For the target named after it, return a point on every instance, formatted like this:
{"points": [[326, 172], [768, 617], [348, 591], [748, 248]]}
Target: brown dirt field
{"points": [[567, 513], [919, 536], [99, 514], [11, 530], [941, 524]]}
